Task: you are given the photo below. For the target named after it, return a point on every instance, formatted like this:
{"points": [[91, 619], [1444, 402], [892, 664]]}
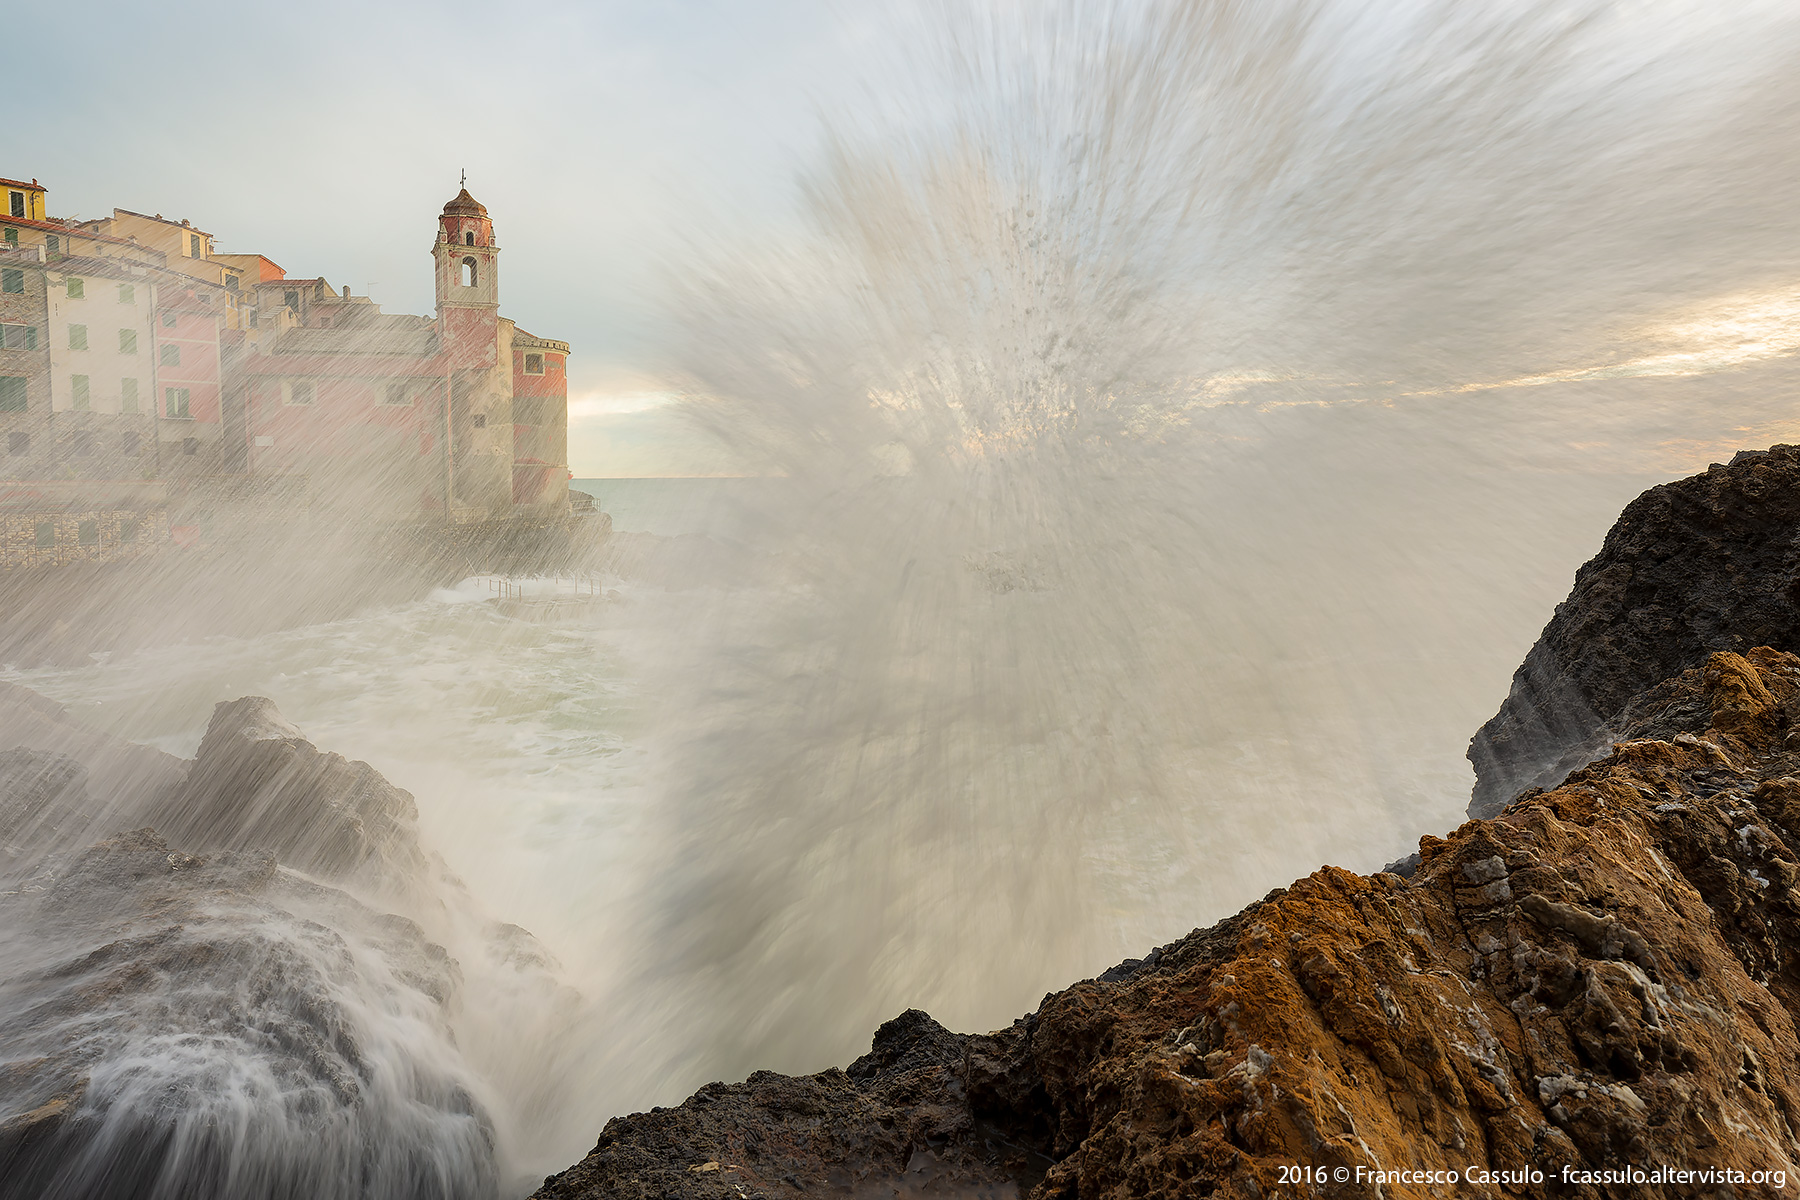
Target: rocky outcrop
{"points": [[1706, 563], [191, 1010], [257, 782], [1604, 977], [211, 1026]]}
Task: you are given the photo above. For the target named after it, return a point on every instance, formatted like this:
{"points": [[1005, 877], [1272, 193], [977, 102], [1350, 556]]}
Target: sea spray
{"points": [[1133, 385]]}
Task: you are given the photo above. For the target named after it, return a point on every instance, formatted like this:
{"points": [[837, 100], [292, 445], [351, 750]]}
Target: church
{"points": [[463, 417]]}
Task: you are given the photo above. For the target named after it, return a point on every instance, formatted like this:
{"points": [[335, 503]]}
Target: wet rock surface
{"points": [[1606, 975], [1707, 563], [192, 1016], [257, 781]]}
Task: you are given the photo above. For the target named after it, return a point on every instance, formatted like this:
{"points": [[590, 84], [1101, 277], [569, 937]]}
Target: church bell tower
{"points": [[468, 269]]}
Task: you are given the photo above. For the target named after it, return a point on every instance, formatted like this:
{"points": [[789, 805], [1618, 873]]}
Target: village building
{"points": [[24, 201], [141, 370], [77, 474]]}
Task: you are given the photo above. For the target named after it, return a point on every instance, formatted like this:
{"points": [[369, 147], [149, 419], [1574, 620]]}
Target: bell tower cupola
{"points": [[467, 257]]}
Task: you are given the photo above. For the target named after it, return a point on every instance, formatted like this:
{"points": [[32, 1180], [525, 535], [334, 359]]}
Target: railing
{"points": [[560, 587]]}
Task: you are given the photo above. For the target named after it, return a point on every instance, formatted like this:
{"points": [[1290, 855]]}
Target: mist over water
{"points": [[1183, 417]]}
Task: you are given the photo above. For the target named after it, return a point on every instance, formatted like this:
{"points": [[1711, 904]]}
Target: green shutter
{"points": [[12, 280], [78, 337], [127, 341], [127, 294], [78, 388], [46, 534], [12, 393], [128, 395], [171, 356], [77, 289], [88, 533]]}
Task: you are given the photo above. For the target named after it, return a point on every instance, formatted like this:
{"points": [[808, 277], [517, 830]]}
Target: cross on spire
{"points": [[465, 178]]}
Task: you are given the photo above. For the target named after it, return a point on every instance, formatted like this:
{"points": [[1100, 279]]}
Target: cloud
{"points": [[637, 442]]}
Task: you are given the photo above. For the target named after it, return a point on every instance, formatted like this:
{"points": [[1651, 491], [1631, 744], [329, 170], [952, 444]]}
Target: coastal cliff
{"points": [[1711, 562], [1601, 977]]}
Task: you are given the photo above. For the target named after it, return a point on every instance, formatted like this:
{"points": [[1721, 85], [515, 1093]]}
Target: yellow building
{"points": [[184, 248], [24, 200]]}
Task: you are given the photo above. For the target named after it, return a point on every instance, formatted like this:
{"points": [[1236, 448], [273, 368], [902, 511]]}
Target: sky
{"points": [[327, 136]]}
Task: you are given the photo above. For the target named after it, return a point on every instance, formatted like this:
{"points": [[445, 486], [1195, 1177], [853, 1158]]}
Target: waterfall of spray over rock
{"points": [[1077, 611]]}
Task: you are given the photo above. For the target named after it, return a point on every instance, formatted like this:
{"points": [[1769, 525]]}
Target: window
{"points": [[127, 294], [53, 244], [130, 443], [169, 356], [78, 337], [46, 534], [292, 300], [12, 280], [19, 337], [12, 236], [534, 364], [128, 529], [12, 396], [193, 245], [175, 402], [469, 238], [84, 444], [480, 421], [18, 443], [396, 394], [468, 272], [300, 391], [88, 533], [231, 283], [77, 288], [168, 320], [78, 392], [128, 397], [127, 341], [16, 203], [190, 445]]}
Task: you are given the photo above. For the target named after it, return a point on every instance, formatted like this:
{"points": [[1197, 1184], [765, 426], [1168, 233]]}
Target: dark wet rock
{"points": [[1606, 973], [191, 1010], [895, 1124], [257, 782], [123, 779], [211, 1027], [1703, 564]]}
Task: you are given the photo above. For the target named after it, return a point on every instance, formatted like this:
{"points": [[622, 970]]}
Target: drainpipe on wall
{"points": [[449, 455], [155, 385]]}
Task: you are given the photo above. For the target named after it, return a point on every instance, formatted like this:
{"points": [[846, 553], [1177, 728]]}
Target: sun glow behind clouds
{"points": [[1726, 333]]}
